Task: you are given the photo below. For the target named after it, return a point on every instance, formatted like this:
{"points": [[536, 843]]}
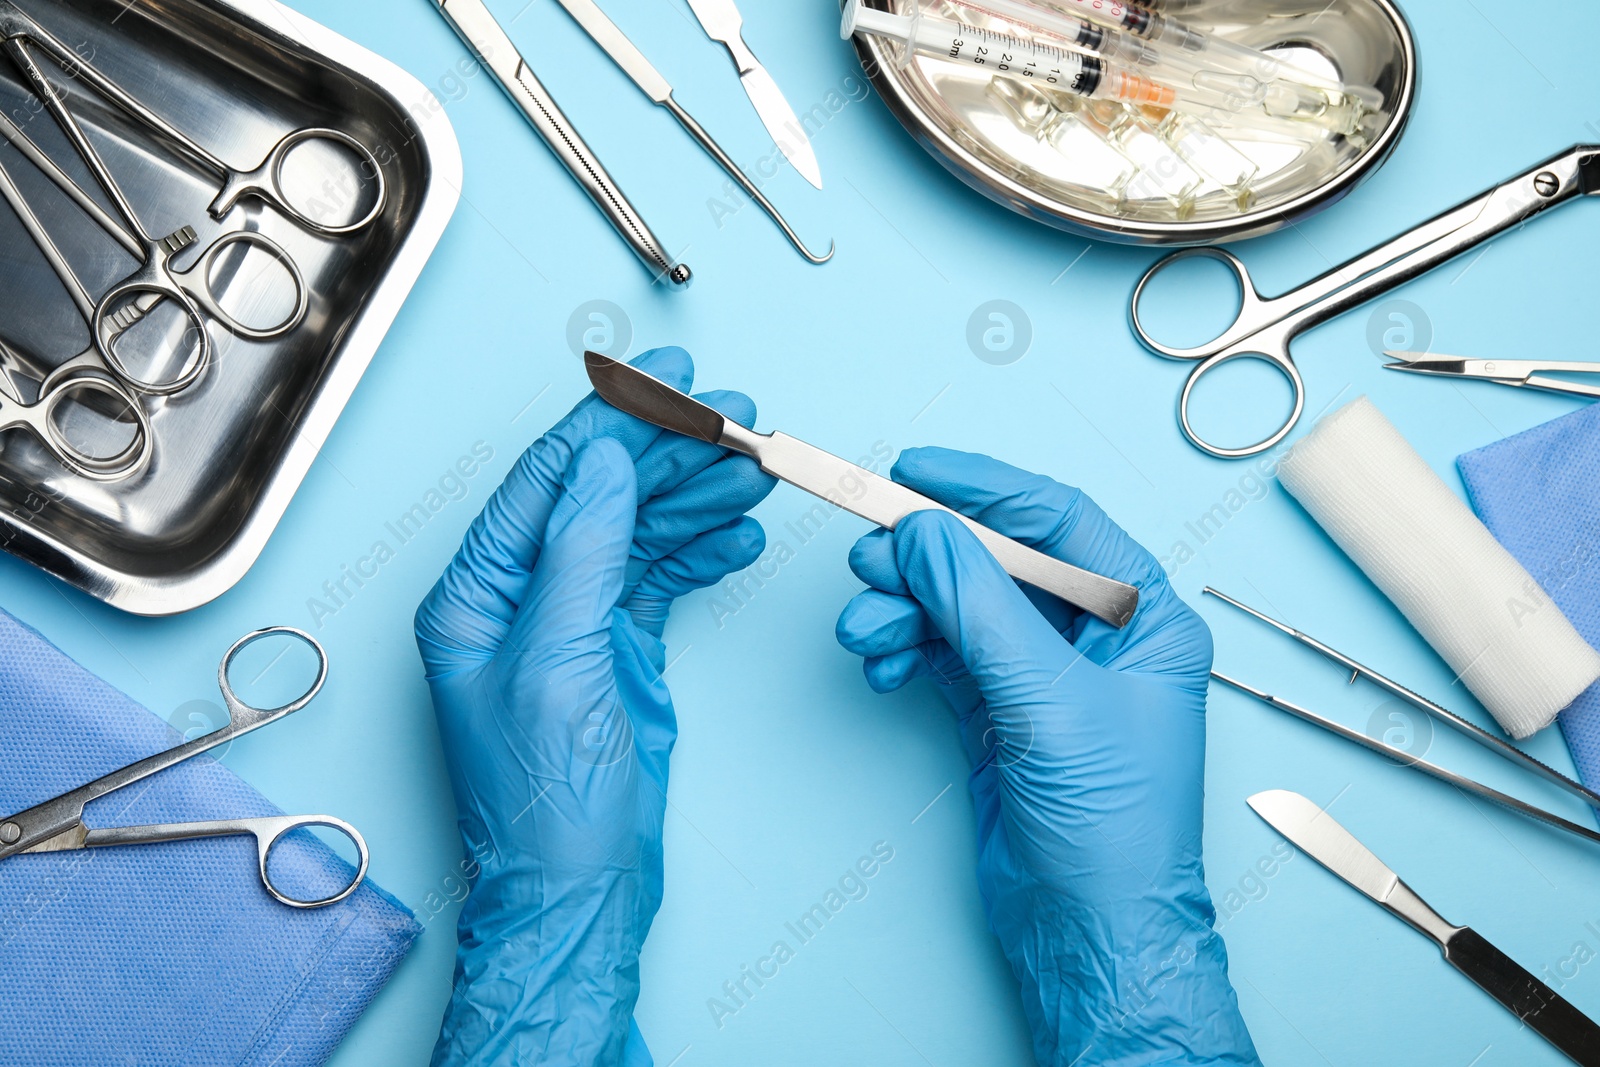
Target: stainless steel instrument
{"points": [[478, 28], [57, 825], [56, 403], [239, 76], [1319, 836], [952, 112], [1264, 326], [723, 23], [649, 80], [154, 281], [1520, 373], [823, 474], [1472, 731], [22, 35], [1400, 755]]}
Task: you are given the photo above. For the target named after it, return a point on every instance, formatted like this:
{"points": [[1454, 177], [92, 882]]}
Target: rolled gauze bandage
{"points": [[1419, 543]]}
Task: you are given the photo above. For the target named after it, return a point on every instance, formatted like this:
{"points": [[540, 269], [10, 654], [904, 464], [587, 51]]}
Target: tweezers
{"points": [[1471, 730]]}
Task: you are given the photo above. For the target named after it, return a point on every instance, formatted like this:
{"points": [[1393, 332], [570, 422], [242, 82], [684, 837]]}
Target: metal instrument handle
{"points": [[267, 832], [887, 502], [1401, 756], [132, 460], [196, 282], [43, 821], [1274, 356], [706, 141], [1469, 729], [1559, 385], [39, 418], [1244, 322], [265, 183], [476, 26]]}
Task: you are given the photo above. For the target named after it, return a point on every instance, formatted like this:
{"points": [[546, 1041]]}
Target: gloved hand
{"points": [[1088, 746], [542, 643]]}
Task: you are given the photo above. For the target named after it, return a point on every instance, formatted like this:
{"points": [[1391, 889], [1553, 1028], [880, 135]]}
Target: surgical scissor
{"points": [[1265, 326], [57, 825], [154, 281], [264, 182], [43, 418]]}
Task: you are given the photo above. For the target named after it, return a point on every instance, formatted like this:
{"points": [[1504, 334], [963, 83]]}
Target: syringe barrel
{"points": [[995, 53]]}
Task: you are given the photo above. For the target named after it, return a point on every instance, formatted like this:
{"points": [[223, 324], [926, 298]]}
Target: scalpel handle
{"points": [[473, 23], [885, 502]]}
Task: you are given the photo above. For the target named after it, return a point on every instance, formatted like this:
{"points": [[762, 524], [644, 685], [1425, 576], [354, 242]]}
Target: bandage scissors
{"points": [[1265, 326], [57, 825], [43, 418]]}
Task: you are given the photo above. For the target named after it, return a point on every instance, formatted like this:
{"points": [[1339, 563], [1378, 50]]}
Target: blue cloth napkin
{"points": [[168, 954], [1539, 494]]}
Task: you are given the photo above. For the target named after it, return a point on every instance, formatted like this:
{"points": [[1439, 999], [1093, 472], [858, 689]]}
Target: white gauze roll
{"points": [[1419, 543]]}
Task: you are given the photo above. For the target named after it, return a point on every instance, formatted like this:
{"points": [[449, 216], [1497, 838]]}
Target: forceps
{"points": [[1265, 326], [57, 825], [265, 182], [154, 281], [1470, 730], [42, 418]]}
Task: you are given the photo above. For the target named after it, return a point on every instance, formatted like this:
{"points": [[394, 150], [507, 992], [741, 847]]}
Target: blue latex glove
{"points": [[543, 649], [1088, 744]]}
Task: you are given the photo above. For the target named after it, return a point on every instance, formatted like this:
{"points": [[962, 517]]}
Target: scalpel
{"points": [[825, 475], [1319, 836], [723, 23]]}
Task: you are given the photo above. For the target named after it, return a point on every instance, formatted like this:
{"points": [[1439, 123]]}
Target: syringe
{"points": [[1070, 70], [1211, 51], [1001, 54], [1079, 33], [1285, 98]]}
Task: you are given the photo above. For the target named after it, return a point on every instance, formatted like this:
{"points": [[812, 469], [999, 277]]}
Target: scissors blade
{"points": [[1421, 363], [1500, 370], [71, 839]]}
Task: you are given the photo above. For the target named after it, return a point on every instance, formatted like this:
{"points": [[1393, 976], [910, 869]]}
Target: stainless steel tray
{"points": [[231, 450], [950, 110]]}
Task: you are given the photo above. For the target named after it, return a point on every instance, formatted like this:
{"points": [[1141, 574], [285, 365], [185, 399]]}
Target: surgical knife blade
{"points": [[626, 55], [723, 23]]}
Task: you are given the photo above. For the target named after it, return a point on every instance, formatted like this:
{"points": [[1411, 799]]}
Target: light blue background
{"points": [[789, 768]]}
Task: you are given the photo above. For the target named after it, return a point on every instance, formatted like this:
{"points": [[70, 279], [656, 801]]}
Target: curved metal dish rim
{"points": [[875, 56]]}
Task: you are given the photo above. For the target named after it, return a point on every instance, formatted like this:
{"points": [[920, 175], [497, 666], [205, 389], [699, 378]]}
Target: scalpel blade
{"points": [[723, 23], [1319, 835]]}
